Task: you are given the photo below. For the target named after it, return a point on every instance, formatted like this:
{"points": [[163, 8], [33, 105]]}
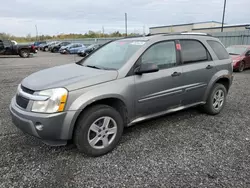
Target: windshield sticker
{"points": [[137, 43]]}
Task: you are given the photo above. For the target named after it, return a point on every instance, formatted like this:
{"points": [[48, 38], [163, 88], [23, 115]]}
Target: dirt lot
{"points": [[185, 149]]}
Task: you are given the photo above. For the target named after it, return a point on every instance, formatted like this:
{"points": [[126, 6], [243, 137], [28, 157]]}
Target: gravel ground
{"points": [[184, 149]]}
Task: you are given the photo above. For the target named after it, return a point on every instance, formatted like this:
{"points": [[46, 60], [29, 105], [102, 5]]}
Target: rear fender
{"points": [[215, 78]]}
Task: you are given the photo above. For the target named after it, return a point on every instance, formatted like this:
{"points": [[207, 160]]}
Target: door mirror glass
{"points": [[146, 68]]}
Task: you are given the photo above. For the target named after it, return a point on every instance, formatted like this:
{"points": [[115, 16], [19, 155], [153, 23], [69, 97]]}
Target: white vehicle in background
{"points": [[13, 42]]}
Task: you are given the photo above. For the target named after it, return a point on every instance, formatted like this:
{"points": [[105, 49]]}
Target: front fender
{"points": [[78, 100]]}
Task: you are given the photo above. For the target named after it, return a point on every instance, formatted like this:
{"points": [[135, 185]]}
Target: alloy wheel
{"points": [[218, 99], [102, 132]]}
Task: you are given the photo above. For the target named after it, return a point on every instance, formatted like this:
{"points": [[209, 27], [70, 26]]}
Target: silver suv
{"points": [[124, 82]]}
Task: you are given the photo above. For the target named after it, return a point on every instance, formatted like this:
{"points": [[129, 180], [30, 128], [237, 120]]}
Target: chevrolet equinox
{"points": [[122, 83]]}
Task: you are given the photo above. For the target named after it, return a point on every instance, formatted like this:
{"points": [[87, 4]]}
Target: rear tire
{"points": [[216, 100], [98, 130], [46, 49], [24, 53]]}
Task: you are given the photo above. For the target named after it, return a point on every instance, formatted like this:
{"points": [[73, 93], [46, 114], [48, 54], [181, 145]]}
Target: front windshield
{"points": [[113, 55], [236, 50]]}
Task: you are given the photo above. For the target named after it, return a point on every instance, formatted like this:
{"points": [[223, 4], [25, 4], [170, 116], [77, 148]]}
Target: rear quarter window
{"points": [[218, 49], [193, 51]]}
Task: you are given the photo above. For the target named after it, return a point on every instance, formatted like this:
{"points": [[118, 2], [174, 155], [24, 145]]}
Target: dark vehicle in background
{"points": [[240, 55], [8, 48], [52, 46], [45, 47], [38, 43], [55, 48], [89, 50]]}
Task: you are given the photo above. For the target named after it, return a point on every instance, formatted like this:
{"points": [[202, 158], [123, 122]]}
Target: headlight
{"points": [[55, 103]]}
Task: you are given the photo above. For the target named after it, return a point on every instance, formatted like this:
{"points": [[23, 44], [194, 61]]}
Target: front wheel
{"points": [[241, 66], [98, 130], [216, 100], [24, 53]]}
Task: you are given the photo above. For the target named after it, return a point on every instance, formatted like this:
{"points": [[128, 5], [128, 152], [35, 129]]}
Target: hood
{"points": [[63, 47], [71, 77], [234, 57]]}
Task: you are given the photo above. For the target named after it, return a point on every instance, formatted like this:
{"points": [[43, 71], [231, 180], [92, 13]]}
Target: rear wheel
{"points": [[46, 49], [24, 53], [98, 130], [216, 100], [241, 66]]}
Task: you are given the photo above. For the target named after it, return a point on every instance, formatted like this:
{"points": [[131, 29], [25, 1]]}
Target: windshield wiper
{"points": [[93, 66], [233, 54]]}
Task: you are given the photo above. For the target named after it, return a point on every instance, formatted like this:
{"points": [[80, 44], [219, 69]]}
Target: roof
{"points": [[185, 24]]}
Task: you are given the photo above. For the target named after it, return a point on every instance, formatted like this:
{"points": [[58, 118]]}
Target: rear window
{"points": [[193, 51], [218, 49]]}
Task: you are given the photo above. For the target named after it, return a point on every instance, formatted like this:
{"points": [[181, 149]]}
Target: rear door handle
{"points": [[176, 74], [209, 67]]}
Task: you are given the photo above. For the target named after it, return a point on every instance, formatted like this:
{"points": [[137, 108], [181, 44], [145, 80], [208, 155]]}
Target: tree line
{"points": [[90, 34]]}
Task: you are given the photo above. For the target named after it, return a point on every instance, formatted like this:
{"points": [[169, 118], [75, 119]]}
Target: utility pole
{"points": [[223, 16], [126, 24], [103, 30], [36, 33]]}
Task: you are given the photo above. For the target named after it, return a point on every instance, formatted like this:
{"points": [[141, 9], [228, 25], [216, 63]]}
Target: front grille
{"points": [[22, 102], [26, 90]]}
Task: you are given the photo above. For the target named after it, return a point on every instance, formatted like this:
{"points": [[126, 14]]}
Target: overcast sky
{"points": [[19, 17]]}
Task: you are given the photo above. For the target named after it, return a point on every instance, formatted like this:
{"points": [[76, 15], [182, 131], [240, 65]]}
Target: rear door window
{"points": [[193, 51], [218, 49]]}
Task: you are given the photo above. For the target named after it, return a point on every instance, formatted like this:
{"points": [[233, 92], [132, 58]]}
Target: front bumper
{"points": [[56, 127]]}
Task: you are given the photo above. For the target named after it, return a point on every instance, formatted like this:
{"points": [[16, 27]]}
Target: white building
{"points": [[203, 27]]}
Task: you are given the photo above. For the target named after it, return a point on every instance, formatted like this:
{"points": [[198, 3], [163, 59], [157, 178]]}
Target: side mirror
{"points": [[146, 68], [248, 53]]}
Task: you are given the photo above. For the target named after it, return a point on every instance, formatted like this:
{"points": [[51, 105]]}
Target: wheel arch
{"points": [[223, 77], [114, 101]]}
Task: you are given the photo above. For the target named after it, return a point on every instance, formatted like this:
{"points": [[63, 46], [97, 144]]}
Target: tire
{"points": [[210, 107], [46, 49], [24, 53], [91, 127], [241, 67]]}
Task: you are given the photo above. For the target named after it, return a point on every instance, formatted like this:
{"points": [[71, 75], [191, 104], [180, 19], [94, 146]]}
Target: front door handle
{"points": [[176, 74], [209, 67]]}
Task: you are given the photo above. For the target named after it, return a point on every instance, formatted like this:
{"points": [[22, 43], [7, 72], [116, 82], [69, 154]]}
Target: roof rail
{"points": [[180, 33], [194, 33]]}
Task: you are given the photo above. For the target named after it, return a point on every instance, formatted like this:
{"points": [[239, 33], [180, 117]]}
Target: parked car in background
{"points": [[14, 42], [46, 46], [240, 55], [55, 48], [38, 43], [8, 48], [123, 83], [52, 45], [88, 50], [71, 48]]}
